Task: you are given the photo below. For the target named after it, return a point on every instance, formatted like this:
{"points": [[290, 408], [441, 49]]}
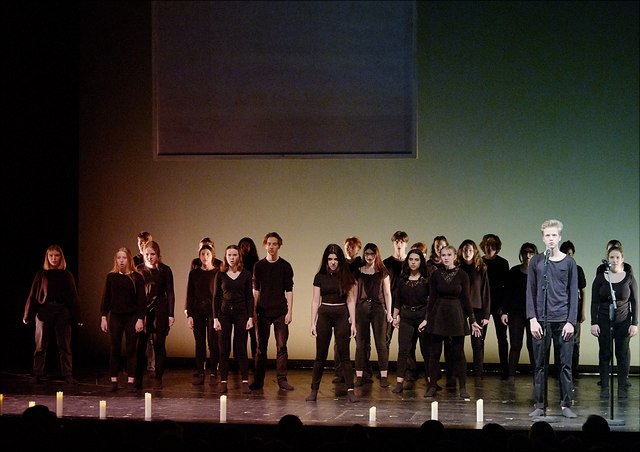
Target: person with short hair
{"points": [[552, 310], [273, 295]]}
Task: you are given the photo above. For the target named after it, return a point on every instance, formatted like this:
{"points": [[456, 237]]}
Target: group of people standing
{"points": [[434, 300]]}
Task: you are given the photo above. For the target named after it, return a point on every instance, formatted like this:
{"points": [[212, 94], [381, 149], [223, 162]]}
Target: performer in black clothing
{"points": [[161, 300], [123, 306], [373, 312], [273, 295], [514, 313], [409, 313], [196, 263], [625, 323], [497, 269], [53, 304], [333, 308], [199, 309], [250, 256], [233, 313], [449, 314], [552, 310], [469, 259]]}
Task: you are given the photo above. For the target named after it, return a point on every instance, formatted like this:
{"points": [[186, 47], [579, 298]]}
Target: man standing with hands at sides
{"points": [[498, 272], [273, 297], [552, 310]]}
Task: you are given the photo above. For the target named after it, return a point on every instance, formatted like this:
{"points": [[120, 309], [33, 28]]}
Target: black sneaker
{"points": [[284, 385]]}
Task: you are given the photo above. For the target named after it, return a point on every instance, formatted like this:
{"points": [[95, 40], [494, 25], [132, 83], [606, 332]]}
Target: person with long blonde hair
{"points": [[122, 313], [53, 303]]}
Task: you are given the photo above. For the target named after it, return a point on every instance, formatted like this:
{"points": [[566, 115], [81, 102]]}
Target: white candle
{"points": [[372, 414], [434, 411], [223, 408], [59, 396], [480, 410], [32, 403], [1, 403], [147, 406], [103, 409]]}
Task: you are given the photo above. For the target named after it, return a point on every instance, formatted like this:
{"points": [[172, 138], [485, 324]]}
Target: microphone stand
{"points": [[612, 316], [546, 345]]}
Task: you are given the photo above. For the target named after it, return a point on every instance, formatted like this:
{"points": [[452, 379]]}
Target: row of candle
{"points": [[223, 408]]}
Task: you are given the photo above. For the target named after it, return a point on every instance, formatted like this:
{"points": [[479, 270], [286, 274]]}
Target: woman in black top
{"points": [[373, 312], [250, 256], [161, 301], [199, 309], [122, 309], [53, 304], [333, 308], [410, 310], [625, 322], [449, 314], [233, 313]]}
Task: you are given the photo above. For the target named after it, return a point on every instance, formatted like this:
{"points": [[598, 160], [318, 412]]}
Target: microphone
{"points": [[546, 256], [606, 263]]}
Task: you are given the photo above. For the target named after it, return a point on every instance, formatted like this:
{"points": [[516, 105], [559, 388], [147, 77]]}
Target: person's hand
{"points": [[389, 318], [396, 322], [190, 322], [104, 326], [484, 322], [504, 318], [139, 326], [216, 325], [314, 333], [595, 330], [172, 320], [353, 330], [249, 323], [633, 330], [476, 329], [288, 318], [567, 331], [536, 329], [422, 326]]}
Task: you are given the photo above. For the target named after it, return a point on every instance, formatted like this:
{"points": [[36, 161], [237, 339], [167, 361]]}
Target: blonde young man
{"points": [[552, 310]]}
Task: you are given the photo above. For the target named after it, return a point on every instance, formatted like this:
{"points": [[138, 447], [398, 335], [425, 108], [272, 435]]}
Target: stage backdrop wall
{"points": [[526, 111]]}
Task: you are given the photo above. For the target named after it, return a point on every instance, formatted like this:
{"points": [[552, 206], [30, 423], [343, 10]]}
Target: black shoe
{"points": [[351, 396], [223, 387], [367, 379], [622, 392], [245, 388], [628, 383], [198, 379], [70, 380], [131, 387], [284, 385], [114, 386], [409, 385], [138, 384], [157, 383], [604, 393], [384, 382], [337, 379], [398, 389], [568, 412], [430, 392], [464, 395], [358, 382], [537, 412], [255, 386], [213, 379], [35, 380]]}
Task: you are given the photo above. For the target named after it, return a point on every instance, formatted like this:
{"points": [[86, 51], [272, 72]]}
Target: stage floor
{"points": [[179, 400]]}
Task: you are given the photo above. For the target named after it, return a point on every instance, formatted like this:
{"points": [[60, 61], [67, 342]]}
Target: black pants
{"points": [[204, 334], [234, 320], [281, 333], [407, 331], [119, 325], [457, 362], [332, 319]]}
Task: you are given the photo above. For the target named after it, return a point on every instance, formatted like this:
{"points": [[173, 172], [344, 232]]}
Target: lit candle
{"points": [[1, 403], [223, 408], [372, 414], [59, 403], [480, 410], [147, 406], [434, 411], [103, 409], [32, 403]]}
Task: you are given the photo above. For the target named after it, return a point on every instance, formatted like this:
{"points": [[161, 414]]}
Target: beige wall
{"points": [[509, 135]]}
